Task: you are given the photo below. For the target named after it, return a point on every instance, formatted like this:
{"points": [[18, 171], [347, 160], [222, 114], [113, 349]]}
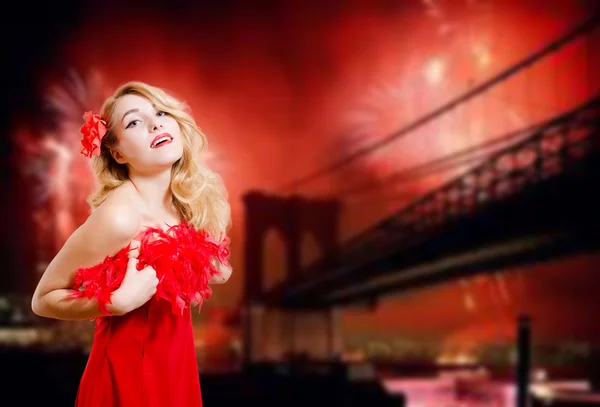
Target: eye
{"points": [[161, 113], [132, 123]]}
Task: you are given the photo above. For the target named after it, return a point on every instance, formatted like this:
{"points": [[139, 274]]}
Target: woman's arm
{"points": [[108, 229], [223, 276]]}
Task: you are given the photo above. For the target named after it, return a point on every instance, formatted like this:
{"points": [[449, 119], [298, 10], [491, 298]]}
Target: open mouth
{"points": [[161, 140]]}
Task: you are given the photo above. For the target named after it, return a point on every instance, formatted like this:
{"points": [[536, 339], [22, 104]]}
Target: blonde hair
{"points": [[198, 193]]}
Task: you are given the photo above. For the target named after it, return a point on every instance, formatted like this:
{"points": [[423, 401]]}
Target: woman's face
{"points": [[147, 139]]}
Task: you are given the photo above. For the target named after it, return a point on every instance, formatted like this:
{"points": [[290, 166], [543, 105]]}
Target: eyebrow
{"points": [[129, 111]]}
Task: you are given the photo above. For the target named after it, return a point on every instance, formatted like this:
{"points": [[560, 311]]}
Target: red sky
{"points": [[284, 91]]}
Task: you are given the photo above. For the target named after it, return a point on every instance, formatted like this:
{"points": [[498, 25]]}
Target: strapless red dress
{"points": [[147, 358]]}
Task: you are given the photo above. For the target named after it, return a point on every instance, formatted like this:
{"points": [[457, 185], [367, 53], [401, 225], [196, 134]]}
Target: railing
{"points": [[551, 148], [548, 148]]}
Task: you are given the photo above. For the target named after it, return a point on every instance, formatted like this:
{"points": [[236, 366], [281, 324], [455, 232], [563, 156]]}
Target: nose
{"points": [[155, 125]]}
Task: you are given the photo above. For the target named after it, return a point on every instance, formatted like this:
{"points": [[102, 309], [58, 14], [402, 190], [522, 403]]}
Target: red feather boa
{"points": [[183, 260]]}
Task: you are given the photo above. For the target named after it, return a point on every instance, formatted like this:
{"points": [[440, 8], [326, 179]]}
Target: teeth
{"points": [[160, 140]]}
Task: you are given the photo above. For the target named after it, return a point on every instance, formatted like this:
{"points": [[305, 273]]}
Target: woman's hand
{"points": [[137, 287]]}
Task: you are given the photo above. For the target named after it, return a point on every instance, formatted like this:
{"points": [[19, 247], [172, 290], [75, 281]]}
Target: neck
{"points": [[154, 189]]}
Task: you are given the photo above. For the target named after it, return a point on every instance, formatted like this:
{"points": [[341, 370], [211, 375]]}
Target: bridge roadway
{"points": [[536, 209]]}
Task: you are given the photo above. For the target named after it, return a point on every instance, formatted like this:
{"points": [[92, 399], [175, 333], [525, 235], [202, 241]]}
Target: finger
{"points": [[132, 263], [134, 248], [133, 252], [150, 270]]}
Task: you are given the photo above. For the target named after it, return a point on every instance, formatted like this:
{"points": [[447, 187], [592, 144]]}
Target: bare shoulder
{"points": [[119, 215], [114, 223]]}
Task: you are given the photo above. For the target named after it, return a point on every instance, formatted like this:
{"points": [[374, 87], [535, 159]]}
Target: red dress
{"points": [[147, 358]]}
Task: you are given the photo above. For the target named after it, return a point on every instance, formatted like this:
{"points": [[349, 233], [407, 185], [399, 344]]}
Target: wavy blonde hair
{"points": [[198, 193]]}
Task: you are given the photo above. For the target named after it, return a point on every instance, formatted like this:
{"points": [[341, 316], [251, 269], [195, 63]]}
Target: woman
{"points": [[155, 239]]}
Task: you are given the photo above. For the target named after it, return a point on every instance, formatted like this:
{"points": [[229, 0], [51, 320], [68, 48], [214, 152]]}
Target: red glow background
{"points": [[285, 89]]}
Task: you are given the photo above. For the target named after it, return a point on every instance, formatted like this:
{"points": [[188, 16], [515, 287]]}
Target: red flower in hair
{"points": [[92, 131]]}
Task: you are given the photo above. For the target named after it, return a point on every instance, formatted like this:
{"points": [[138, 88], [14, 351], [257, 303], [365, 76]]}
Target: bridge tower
{"points": [[271, 332]]}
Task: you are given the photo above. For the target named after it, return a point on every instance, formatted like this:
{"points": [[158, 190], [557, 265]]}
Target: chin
{"points": [[168, 156]]}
